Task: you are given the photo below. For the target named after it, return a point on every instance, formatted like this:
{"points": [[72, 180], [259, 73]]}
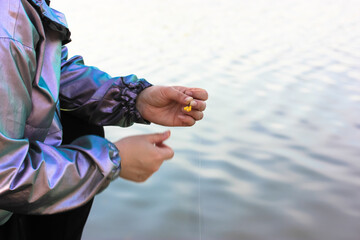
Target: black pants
{"points": [[62, 226]]}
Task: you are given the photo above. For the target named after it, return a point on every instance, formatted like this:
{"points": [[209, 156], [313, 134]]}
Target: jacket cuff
{"points": [[103, 153], [134, 87], [115, 158]]}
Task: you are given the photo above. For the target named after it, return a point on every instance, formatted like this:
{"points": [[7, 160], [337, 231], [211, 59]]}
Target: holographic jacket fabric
{"points": [[39, 175]]}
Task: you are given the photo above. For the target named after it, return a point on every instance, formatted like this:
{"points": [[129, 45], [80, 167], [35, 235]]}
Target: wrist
{"points": [[141, 101]]}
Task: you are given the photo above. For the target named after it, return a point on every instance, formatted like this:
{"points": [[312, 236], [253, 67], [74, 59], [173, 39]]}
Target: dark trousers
{"points": [[61, 226]]}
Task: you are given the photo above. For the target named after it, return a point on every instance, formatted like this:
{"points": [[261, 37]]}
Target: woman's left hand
{"points": [[165, 105]]}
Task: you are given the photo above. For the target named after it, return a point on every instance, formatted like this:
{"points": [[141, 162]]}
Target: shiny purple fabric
{"points": [[94, 95], [38, 175]]}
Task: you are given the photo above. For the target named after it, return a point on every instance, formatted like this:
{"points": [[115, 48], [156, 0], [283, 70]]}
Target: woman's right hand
{"points": [[142, 155]]}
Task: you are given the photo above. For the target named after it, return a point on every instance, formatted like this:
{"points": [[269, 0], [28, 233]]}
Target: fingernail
{"points": [[193, 103], [188, 100]]}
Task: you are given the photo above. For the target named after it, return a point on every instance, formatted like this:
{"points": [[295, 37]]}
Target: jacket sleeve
{"points": [[92, 94], [37, 178]]}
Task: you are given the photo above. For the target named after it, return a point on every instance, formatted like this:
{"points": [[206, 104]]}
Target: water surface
{"points": [[277, 155]]}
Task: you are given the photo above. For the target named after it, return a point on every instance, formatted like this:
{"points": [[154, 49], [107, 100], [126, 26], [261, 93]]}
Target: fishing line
{"points": [[199, 192]]}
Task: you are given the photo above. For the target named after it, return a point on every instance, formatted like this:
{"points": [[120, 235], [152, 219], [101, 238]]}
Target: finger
{"points": [[197, 93], [165, 151], [157, 138], [186, 120], [198, 105], [174, 94], [196, 115]]}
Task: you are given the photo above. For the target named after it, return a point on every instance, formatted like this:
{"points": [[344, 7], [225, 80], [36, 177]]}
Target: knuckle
{"points": [[171, 154], [141, 178], [154, 168], [157, 157], [203, 106], [189, 122], [192, 123], [155, 165]]}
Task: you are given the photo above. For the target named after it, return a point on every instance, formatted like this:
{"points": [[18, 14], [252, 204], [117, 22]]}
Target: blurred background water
{"points": [[277, 154]]}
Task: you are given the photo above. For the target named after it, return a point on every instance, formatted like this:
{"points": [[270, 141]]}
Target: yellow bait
{"points": [[187, 108]]}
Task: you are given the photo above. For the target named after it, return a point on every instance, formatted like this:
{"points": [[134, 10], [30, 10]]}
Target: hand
{"points": [[143, 155], [165, 105]]}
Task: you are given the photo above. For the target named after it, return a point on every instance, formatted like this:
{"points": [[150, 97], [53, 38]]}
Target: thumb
{"points": [[159, 137], [178, 96]]}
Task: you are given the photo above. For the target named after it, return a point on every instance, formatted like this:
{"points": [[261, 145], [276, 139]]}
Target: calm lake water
{"points": [[277, 156]]}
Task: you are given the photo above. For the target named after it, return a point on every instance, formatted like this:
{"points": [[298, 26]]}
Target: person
{"points": [[54, 157]]}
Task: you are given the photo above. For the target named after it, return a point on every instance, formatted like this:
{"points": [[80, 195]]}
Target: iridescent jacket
{"points": [[39, 175]]}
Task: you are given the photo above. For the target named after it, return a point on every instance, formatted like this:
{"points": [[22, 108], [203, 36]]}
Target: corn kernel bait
{"points": [[187, 108]]}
